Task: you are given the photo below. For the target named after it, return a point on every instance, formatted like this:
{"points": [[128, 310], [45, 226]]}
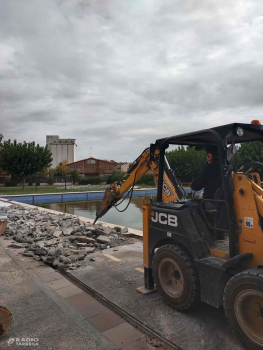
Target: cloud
{"points": [[119, 75]]}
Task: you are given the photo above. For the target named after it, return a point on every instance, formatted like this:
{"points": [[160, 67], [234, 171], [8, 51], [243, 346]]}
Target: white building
{"points": [[61, 149]]}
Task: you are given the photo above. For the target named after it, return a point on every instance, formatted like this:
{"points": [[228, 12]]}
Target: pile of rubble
{"points": [[61, 240]]}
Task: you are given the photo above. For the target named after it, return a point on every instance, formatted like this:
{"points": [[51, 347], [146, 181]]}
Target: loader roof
{"points": [[225, 132]]}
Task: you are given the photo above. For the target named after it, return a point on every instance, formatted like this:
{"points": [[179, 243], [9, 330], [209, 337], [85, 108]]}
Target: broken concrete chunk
{"points": [[51, 242], [55, 263], [124, 230], [41, 251], [75, 251], [57, 233], [65, 260], [50, 259], [103, 239], [107, 230], [81, 244], [31, 254], [51, 229], [89, 250], [82, 239], [15, 245], [67, 231], [79, 256], [40, 244], [52, 252]]}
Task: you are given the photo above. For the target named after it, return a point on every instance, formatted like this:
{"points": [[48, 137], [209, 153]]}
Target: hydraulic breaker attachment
{"points": [[107, 202]]}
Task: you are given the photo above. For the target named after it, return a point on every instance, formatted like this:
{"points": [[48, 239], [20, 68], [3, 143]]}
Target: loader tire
{"points": [[243, 304], [176, 277]]}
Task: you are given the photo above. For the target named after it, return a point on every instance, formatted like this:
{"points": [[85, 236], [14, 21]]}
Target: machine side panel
{"points": [[250, 238], [178, 226]]}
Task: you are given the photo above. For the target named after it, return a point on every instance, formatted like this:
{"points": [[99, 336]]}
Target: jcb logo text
{"points": [[165, 219]]}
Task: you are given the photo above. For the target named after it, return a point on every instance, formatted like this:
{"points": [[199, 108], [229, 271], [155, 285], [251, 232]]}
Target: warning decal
{"points": [[249, 222]]}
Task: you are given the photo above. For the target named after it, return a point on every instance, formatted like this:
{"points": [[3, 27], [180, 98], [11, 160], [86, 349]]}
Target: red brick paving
{"points": [[79, 299], [123, 335], [68, 291], [49, 277], [91, 309], [42, 270], [138, 345], [58, 284], [105, 321]]}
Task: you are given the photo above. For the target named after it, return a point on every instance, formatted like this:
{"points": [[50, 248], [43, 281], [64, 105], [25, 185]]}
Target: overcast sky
{"points": [[117, 75]]}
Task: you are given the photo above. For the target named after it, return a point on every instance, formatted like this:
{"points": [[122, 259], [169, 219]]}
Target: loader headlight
{"points": [[239, 131]]}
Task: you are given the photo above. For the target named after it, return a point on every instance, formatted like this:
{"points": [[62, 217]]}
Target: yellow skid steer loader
{"points": [[182, 253]]}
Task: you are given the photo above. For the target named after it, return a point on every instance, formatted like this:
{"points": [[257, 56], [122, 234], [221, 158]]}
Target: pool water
{"points": [[131, 217]]}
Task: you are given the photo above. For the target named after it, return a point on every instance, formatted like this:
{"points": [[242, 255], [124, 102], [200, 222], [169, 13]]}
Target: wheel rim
{"points": [[249, 313], [171, 277]]}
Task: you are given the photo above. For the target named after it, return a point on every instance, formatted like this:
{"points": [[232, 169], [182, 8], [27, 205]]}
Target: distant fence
{"points": [[75, 196], [69, 197]]}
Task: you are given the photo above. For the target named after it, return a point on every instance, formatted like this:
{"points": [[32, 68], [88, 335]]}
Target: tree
{"points": [[249, 152], [51, 175], [75, 175], [43, 172], [115, 176], [186, 162], [23, 159], [62, 168]]}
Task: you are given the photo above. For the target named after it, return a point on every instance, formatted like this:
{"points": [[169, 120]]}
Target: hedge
{"points": [[11, 184], [91, 180]]}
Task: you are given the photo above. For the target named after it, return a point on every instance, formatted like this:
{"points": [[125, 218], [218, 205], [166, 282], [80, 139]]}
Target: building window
{"points": [[105, 168], [91, 161], [92, 169], [110, 168], [71, 169], [79, 169], [85, 169]]}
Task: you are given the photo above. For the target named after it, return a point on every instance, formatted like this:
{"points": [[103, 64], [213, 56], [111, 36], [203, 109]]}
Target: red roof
{"points": [[102, 160]]}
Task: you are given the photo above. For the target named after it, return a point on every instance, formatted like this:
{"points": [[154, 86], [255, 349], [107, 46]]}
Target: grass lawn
{"points": [[51, 189]]}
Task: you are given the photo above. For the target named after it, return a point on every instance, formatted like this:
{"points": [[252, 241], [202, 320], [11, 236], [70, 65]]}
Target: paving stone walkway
{"points": [[47, 306]]}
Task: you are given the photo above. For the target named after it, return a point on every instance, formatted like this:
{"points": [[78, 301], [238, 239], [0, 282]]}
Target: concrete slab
{"points": [[203, 329], [4, 204]]}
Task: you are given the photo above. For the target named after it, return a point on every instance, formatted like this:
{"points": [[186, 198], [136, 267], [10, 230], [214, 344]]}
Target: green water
{"points": [[132, 217]]}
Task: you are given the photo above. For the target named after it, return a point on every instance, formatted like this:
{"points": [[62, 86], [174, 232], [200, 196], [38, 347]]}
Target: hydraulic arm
{"points": [[172, 190]]}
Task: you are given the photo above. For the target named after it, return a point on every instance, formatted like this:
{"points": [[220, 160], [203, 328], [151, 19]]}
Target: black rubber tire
{"points": [[246, 280], [191, 291]]}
